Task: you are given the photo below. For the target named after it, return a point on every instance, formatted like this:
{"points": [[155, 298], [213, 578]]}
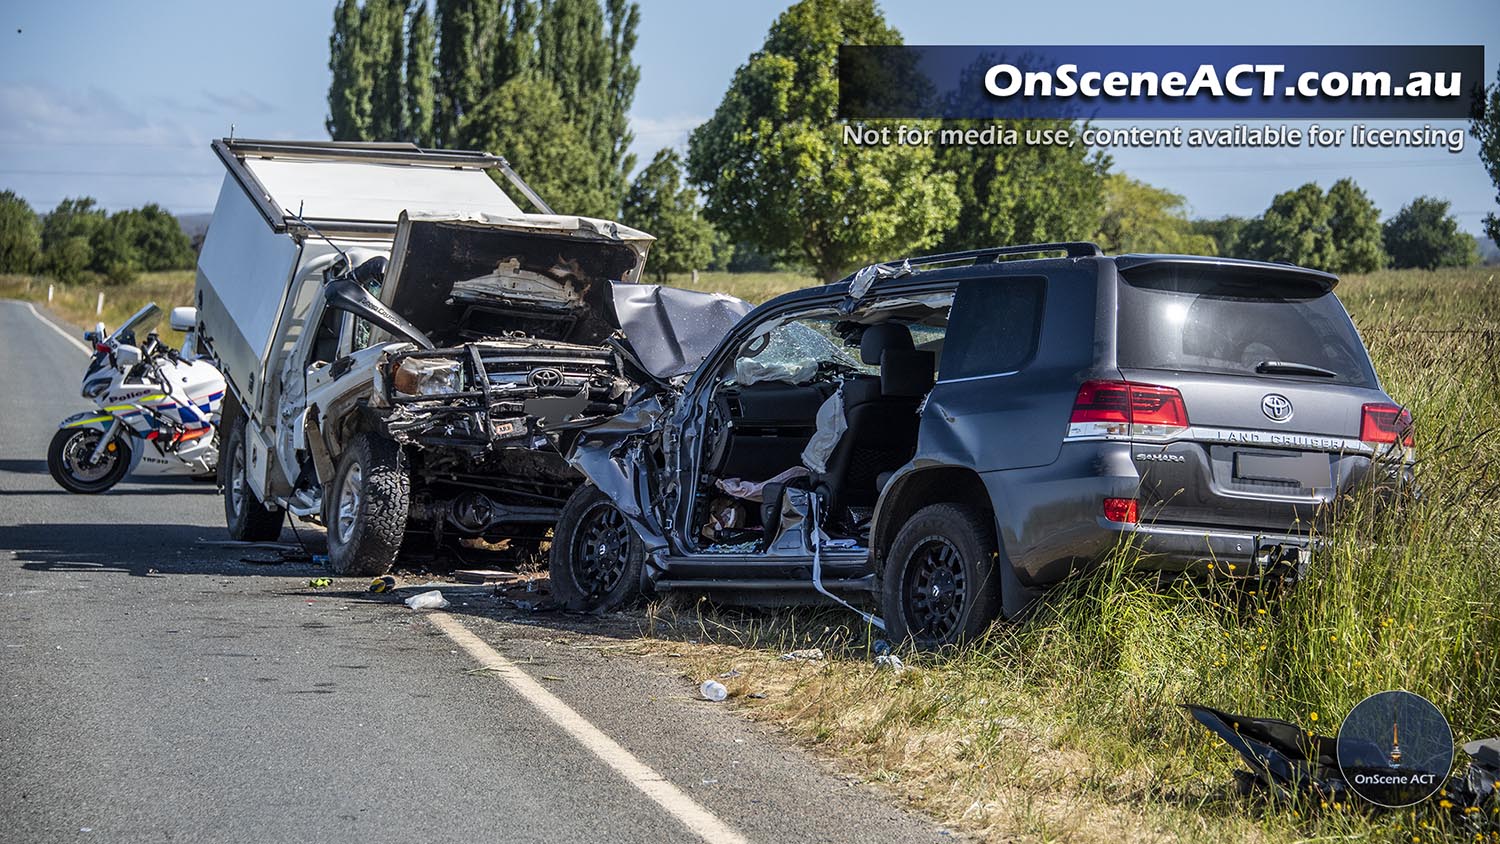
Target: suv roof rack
{"points": [[1072, 248]]}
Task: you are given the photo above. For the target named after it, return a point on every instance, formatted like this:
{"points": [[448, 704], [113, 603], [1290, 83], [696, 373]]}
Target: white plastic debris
{"points": [[713, 690], [890, 661], [804, 655], [432, 600]]}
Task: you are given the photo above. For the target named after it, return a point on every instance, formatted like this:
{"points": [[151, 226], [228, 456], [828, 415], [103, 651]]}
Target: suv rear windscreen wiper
{"points": [[1293, 368]]}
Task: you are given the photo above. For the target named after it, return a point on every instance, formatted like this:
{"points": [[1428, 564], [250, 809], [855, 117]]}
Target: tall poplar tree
{"points": [[421, 76]]}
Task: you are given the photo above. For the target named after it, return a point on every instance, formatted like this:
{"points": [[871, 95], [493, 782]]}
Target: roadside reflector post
{"points": [[99, 308], [49, 294]]}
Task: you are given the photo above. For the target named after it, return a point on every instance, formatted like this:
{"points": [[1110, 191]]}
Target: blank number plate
{"points": [[1309, 470]]}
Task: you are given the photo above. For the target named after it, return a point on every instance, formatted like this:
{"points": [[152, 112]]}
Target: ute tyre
{"points": [[248, 518], [365, 508], [596, 557], [75, 439], [941, 585]]}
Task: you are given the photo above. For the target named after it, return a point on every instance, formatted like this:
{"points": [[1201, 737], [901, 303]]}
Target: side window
{"points": [[994, 326], [326, 342]]}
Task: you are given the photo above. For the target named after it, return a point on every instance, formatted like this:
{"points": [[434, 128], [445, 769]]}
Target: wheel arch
{"points": [[914, 489], [920, 486]]}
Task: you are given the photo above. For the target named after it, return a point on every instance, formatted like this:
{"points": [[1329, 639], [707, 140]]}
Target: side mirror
{"points": [[183, 319], [127, 356], [348, 296]]}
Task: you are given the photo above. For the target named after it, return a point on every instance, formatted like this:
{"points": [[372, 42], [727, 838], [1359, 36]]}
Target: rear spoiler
{"points": [[1284, 273]]}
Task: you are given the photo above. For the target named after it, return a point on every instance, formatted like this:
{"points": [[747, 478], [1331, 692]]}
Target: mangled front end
{"points": [[510, 341], [631, 457]]}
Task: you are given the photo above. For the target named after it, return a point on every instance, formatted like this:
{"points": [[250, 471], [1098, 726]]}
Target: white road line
{"points": [[55, 327], [692, 814]]}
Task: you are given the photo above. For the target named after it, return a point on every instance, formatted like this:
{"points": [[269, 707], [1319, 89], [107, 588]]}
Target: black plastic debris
{"points": [[1286, 759]]}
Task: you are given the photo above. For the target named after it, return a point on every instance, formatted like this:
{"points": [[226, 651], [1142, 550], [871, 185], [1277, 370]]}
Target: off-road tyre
{"points": [[57, 462], [247, 517], [941, 585], [366, 506], [596, 556]]}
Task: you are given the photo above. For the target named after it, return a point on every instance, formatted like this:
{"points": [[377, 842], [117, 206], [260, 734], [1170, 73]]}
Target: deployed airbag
{"points": [[672, 330]]}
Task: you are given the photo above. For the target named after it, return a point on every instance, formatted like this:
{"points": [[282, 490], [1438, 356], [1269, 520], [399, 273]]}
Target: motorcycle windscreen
{"points": [[541, 277], [672, 330]]}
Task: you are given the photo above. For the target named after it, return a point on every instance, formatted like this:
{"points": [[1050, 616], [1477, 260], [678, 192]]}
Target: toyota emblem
{"points": [[1276, 407], [544, 378]]}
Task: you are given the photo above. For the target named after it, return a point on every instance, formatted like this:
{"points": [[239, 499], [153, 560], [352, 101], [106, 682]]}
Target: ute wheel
{"points": [[596, 556], [68, 460], [365, 507], [248, 518], [941, 586]]}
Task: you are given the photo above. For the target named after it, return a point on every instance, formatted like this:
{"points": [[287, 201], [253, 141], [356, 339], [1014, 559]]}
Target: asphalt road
{"points": [[158, 687]]}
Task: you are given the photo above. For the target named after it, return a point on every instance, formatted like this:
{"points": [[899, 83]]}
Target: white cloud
{"points": [[653, 133]]}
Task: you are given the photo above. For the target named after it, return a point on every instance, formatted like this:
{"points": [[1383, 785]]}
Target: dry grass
{"points": [[76, 303]]}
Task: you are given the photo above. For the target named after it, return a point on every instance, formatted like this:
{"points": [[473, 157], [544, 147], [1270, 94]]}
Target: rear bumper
{"points": [[1050, 521]]}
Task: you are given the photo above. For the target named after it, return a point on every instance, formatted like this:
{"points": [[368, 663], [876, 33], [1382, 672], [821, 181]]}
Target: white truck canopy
{"points": [[278, 196]]}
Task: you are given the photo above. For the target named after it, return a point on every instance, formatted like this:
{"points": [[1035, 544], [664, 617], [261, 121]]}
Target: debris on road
{"points": [[432, 600], [803, 655], [713, 690], [487, 576], [384, 583], [320, 582]]}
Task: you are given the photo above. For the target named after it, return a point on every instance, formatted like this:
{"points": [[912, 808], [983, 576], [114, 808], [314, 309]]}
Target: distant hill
{"points": [[1489, 253], [195, 226]]}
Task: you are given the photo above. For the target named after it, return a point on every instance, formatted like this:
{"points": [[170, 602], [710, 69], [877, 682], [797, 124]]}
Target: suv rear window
{"points": [[1237, 322]]}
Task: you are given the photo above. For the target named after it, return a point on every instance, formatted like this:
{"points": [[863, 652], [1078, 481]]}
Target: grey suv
{"points": [[956, 433]]}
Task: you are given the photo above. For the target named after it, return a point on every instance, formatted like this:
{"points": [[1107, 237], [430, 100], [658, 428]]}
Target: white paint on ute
{"points": [[55, 327], [685, 809]]}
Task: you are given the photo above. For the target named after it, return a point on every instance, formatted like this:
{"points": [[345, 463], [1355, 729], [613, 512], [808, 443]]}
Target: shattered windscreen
{"points": [[792, 352]]}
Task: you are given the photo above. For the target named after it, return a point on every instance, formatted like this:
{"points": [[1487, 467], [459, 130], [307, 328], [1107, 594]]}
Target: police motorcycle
{"points": [[158, 408]]}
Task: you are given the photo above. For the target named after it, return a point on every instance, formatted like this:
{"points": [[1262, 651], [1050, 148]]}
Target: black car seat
{"points": [[881, 412]]}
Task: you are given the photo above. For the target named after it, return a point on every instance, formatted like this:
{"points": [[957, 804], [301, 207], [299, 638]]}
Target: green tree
{"points": [[1295, 228], [1485, 127], [20, 235], [66, 235], [1225, 232], [160, 243], [421, 77], [349, 89], [1423, 234], [112, 249], [468, 44], [383, 34], [1141, 218], [1354, 222], [659, 203], [1024, 193], [585, 51], [776, 170], [526, 119]]}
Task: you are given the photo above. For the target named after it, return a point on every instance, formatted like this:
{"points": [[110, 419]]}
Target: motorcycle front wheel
{"points": [[68, 459]]}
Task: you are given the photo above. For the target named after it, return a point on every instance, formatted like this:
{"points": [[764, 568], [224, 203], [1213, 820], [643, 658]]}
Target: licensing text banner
{"points": [[1238, 82]]}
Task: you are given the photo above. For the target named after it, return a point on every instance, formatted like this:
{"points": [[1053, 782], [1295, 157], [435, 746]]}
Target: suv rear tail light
{"points": [[1126, 409], [1121, 510], [1385, 423]]}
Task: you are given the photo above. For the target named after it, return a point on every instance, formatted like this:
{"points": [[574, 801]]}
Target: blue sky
{"points": [[119, 100]]}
